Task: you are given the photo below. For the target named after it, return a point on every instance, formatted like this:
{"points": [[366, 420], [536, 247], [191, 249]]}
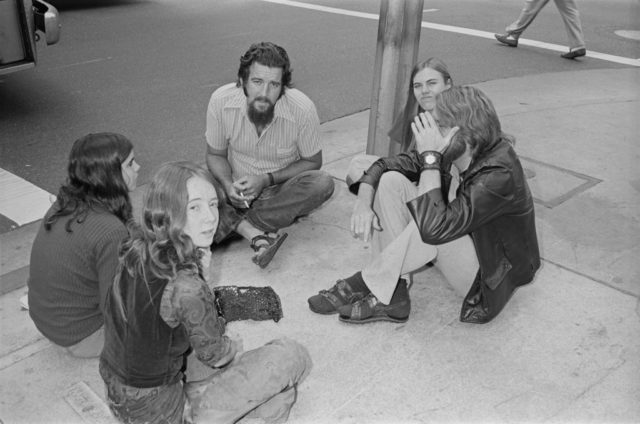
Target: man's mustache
{"points": [[262, 99]]}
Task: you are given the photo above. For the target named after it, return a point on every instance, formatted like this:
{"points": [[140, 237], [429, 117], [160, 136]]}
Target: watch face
{"points": [[430, 159]]}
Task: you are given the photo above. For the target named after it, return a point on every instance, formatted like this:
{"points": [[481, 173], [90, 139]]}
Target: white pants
{"points": [[570, 16], [398, 249]]}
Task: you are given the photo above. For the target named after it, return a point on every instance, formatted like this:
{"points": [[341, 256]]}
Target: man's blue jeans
{"points": [[279, 205]]}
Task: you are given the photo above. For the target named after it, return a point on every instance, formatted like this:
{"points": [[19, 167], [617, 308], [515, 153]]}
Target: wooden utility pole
{"points": [[396, 53]]}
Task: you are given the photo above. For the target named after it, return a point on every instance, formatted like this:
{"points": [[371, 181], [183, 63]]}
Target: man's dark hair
{"points": [[267, 54]]}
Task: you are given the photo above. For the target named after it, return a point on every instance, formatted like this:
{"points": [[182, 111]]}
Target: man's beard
{"points": [[261, 118]]}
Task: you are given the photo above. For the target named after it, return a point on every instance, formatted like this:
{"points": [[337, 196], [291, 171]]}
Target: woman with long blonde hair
{"points": [[160, 308]]}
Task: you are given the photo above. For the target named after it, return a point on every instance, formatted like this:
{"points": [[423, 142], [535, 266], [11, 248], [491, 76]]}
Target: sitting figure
{"points": [[263, 148], [428, 78], [483, 240], [75, 253], [160, 308]]}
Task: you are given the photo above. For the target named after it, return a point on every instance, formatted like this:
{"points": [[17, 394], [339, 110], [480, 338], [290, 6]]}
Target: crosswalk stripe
{"points": [[21, 201], [459, 30]]}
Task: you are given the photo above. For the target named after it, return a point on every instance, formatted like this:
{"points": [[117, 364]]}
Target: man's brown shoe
{"points": [[575, 53], [507, 39]]}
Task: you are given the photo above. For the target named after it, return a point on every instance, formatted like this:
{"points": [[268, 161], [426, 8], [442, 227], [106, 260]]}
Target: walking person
{"points": [[570, 16], [263, 148], [75, 253], [160, 308]]}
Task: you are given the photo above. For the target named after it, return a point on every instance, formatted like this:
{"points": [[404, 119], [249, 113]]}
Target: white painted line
{"points": [[460, 30], [430, 10], [23, 353], [21, 201]]}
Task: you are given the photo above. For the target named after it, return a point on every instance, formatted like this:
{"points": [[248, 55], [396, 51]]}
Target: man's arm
{"points": [[301, 165], [363, 219], [252, 185], [220, 168]]}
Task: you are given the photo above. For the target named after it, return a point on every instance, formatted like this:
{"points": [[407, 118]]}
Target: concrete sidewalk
{"points": [[565, 349]]}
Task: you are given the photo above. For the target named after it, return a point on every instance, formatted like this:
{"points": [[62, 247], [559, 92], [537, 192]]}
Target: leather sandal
{"points": [[370, 309], [327, 302], [266, 251]]}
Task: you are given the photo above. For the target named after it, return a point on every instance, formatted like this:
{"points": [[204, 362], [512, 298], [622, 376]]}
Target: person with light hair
{"points": [[483, 241], [160, 308]]}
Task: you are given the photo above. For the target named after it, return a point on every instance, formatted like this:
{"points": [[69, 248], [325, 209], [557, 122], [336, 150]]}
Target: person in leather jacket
{"points": [[483, 239]]}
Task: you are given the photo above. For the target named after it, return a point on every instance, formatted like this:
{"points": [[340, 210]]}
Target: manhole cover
{"points": [[551, 185], [634, 35]]}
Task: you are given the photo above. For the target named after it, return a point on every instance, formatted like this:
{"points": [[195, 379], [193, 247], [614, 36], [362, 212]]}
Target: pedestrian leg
{"points": [[571, 17], [527, 15]]}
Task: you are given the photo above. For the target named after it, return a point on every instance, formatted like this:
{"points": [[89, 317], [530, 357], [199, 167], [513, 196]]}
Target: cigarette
{"points": [[245, 202]]}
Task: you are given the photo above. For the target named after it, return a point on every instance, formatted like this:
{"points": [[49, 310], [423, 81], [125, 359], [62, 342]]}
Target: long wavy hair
{"points": [[473, 113], [158, 247], [267, 54], [401, 128], [94, 180]]}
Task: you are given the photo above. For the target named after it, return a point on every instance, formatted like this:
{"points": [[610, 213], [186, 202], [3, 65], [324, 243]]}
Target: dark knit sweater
{"points": [[70, 273]]}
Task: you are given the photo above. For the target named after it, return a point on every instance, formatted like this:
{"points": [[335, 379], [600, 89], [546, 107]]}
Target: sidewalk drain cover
{"points": [[552, 185]]}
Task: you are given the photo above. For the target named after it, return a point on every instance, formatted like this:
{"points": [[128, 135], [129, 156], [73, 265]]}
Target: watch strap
{"points": [[431, 159]]}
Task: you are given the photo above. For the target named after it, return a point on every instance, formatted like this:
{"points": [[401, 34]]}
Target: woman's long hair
{"points": [[94, 179], [158, 247], [473, 113], [401, 128]]}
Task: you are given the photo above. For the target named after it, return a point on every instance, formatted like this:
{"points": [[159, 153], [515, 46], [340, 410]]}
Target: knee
{"points": [[320, 184], [392, 182], [294, 355]]}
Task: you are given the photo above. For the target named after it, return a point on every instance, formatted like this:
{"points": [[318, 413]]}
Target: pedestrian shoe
{"points": [[370, 309], [343, 292], [507, 39], [575, 53], [266, 251]]}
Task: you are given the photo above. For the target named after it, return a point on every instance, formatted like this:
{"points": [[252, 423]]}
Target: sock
{"points": [[357, 283]]}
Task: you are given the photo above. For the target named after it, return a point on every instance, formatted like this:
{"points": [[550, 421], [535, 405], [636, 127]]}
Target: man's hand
{"points": [[363, 221], [236, 197], [427, 133], [251, 185]]}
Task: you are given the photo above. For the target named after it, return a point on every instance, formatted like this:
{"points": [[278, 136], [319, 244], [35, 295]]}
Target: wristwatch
{"points": [[431, 160]]}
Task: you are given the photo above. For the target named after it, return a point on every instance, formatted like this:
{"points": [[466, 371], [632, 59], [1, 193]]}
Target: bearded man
{"points": [[263, 147]]}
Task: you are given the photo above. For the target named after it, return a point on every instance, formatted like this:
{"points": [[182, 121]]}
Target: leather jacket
{"points": [[494, 206], [407, 163]]}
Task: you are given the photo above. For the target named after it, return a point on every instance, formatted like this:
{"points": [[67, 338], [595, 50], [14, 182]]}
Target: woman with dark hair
{"points": [[483, 241], [75, 253], [160, 308]]}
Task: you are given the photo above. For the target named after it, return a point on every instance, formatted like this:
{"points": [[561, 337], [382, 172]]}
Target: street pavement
{"points": [[565, 349]]}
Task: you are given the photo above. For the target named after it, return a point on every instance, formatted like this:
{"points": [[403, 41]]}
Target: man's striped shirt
{"points": [[293, 133]]}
